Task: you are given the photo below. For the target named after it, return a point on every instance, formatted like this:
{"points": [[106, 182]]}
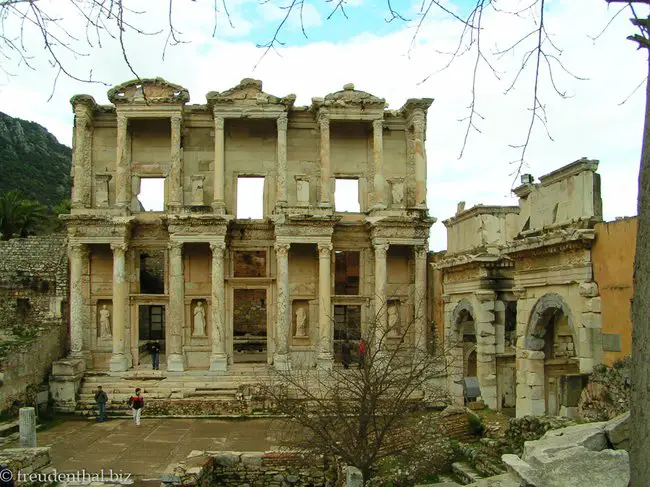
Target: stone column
{"points": [[325, 169], [218, 201], [78, 254], [486, 362], [218, 357], [420, 311], [174, 336], [82, 155], [283, 122], [378, 158], [418, 123], [122, 168], [283, 315], [530, 383], [381, 314], [27, 428], [176, 169], [118, 361], [325, 356]]}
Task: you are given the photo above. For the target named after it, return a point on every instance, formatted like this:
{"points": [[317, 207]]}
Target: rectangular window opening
{"points": [[250, 197], [249, 263], [346, 272], [152, 194], [152, 272], [346, 195]]}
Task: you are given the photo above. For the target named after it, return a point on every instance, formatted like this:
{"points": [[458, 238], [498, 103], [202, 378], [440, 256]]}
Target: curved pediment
{"points": [[154, 90], [348, 96], [249, 93]]}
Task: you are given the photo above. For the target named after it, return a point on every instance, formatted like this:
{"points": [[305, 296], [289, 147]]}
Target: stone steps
{"points": [[465, 472]]}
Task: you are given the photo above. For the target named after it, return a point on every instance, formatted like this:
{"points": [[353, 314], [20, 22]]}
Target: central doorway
{"points": [[249, 325], [151, 322]]}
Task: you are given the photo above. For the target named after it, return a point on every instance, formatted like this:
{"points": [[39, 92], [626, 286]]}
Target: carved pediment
{"points": [[249, 93], [348, 96], [155, 90]]}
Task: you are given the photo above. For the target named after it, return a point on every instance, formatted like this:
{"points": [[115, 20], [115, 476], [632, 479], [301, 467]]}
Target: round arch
{"points": [[462, 309], [546, 307]]}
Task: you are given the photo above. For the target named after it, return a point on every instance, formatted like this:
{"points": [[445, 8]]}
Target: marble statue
{"points": [[105, 322], [199, 319], [301, 323], [393, 319]]}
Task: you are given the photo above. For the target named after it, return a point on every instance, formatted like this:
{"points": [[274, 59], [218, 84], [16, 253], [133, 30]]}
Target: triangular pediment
{"points": [[248, 93], [148, 91], [350, 96]]}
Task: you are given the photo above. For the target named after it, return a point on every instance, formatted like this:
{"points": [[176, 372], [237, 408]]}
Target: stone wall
{"points": [[33, 314]]}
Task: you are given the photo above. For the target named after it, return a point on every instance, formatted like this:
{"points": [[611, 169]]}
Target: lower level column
{"points": [[119, 362], [325, 356], [77, 255], [175, 357], [420, 299], [218, 356], [283, 315]]}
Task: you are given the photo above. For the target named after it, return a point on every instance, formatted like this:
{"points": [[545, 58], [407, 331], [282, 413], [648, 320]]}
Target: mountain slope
{"points": [[33, 161]]}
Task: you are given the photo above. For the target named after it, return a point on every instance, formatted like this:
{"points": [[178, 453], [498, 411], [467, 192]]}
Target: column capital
{"points": [[282, 249], [378, 124], [219, 122], [418, 122], [175, 246], [381, 248], [122, 120], [77, 250], [177, 119], [323, 121], [119, 247], [325, 250], [420, 251], [283, 121], [217, 247]]}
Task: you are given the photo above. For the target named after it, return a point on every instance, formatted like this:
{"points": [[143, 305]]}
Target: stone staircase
{"points": [[190, 393]]}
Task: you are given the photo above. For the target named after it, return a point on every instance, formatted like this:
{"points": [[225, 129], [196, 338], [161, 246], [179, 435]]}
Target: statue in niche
{"points": [[105, 322], [302, 189], [199, 319], [197, 190], [393, 320], [397, 192], [301, 323]]}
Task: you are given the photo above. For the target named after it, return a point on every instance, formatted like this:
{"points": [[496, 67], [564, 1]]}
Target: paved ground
{"points": [[147, 450]]}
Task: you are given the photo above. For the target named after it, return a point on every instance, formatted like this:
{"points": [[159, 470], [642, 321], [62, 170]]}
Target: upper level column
{"points": [[82, 156], [418, 123], [378, 158], [283, 122], [325, 167], [122, 169], [176, 169], [218, 202]]}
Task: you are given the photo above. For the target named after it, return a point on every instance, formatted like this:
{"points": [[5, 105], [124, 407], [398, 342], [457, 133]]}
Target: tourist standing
{"points": [[363, 348], [137, 403], [154, 348], [101, 398]]}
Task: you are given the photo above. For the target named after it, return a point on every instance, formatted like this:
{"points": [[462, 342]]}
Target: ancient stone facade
{"points": [[179, 274], [522, 310]]}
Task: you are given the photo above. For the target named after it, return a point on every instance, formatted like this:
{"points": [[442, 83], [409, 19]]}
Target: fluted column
{"points": [[325, 305], [81, 158], [420, 161], [122, 169], [325, 168], [218, 202], [176, 169], [174, 335], [77, 255], [119, 361], [381, 314], [218, 357], [378, 158], [283, 315], [282, 160], [420, 305]]}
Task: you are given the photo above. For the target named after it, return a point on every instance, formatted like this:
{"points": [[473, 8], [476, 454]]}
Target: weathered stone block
{"points": [[593, 305], [588, 289], [618, 432], [591, 320]]}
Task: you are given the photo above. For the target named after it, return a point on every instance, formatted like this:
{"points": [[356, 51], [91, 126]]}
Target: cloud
{"points": [[591, 122], [302, 15]]}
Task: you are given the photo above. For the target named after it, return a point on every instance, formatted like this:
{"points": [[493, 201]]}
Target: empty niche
{"points": [[251, 263], [152, 272]]}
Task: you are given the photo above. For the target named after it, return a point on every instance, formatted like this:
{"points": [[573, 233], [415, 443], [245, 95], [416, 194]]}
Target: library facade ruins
{"points": [[283, 287]]}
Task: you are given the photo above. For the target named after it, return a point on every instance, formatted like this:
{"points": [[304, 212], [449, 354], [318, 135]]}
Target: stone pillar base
{"points": [[175, 363], [218, 363], [65, 382], [324, 362], [219, 207], [281, 362], [118, 363]]}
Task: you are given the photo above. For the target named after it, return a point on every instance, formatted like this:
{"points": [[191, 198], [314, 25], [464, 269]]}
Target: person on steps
{"points": [[101, 398], [154, 348], [137, 403]]}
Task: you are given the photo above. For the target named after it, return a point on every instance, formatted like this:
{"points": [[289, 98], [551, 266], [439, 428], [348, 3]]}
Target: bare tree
{"points": [[367, 412]]}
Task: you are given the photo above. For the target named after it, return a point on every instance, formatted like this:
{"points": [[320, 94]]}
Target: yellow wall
{"points": [[613, 263]]}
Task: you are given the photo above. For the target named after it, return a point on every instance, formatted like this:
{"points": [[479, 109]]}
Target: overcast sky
{"points": [[378, 57]]}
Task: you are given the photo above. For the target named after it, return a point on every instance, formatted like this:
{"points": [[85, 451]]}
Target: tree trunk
{"points": [[640, 438]]}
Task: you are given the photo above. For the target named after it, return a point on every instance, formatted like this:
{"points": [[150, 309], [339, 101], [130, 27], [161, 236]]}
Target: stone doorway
{"points": [[249, 325], [151, 322]]}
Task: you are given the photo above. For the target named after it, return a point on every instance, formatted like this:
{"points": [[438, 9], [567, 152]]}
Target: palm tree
{"points": [[19, 217]]}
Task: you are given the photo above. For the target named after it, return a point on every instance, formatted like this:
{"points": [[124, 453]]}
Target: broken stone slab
{"points": [[503, 480], [574, 467], [590, 436], [618, 432]]}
